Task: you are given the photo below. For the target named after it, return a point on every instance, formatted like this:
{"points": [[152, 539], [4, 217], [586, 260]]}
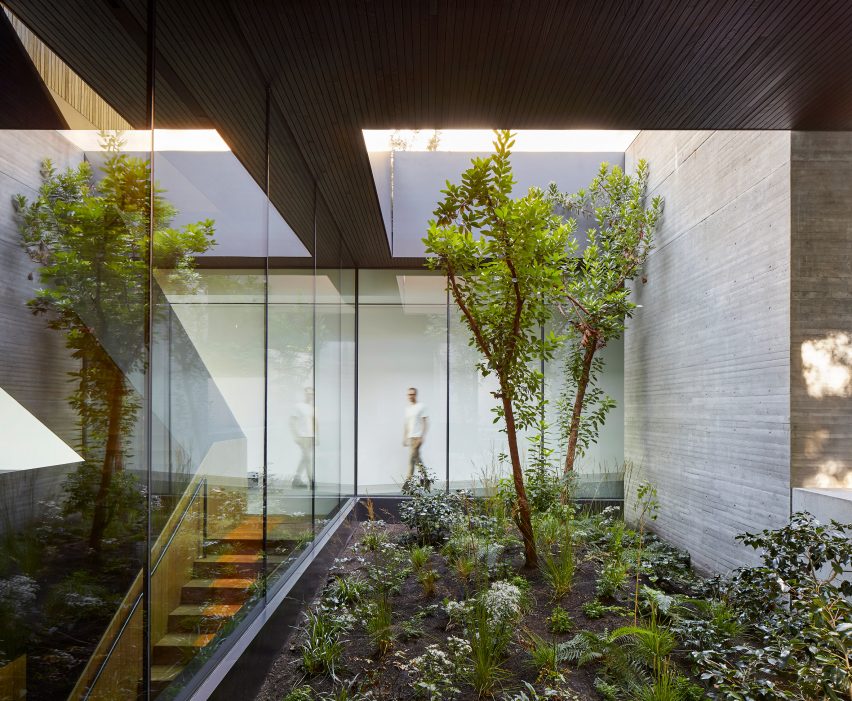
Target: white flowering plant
{"points": [[437, 672]]}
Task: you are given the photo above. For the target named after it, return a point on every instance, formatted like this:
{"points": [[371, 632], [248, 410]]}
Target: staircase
{"points": [[222, 580]]}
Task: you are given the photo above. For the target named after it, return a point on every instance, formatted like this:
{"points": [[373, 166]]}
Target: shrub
{"points": [[379, 623], [559, 621], [429, 514], [322, 648], [437, 672], [488, 636], [612, 578], [427, 579], [544, 655], [798, 611], [420, 556]]}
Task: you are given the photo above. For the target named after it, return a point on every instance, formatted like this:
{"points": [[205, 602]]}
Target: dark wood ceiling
{"points": [[334, 68]]}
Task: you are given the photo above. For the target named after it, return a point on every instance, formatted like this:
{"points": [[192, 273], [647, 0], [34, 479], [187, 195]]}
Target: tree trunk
{"points": [[576, 414], [112, 460], [523, 520]]}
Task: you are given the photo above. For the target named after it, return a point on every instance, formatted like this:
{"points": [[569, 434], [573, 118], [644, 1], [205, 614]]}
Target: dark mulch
{"points": [[386, 676]]}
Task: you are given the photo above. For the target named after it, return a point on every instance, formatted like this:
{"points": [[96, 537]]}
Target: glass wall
{"points": [[184, 332], [177, 390], [410, 335], [74, 265], [402, 346]]}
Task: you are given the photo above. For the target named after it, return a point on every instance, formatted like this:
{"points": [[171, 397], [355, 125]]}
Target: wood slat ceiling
{"points": [[336, 67]]}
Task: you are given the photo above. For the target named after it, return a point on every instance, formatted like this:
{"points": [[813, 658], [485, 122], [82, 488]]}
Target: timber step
{"points": [[221, 582], [179, 648], [201, 618], [226, 590], [234, 565], [248, 545], [162, 675]]}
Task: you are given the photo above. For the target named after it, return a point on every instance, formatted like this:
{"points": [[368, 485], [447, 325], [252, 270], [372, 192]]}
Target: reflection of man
{"points": [[303, 428], [416, 421]]}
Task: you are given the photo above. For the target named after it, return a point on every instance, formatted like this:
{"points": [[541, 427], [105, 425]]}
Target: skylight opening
{"points": [[529, 140]]}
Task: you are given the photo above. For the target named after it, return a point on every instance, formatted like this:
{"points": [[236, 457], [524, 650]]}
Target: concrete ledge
{"points": [[824, 504]]}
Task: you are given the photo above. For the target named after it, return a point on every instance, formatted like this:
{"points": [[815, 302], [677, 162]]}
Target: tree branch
{"points": [[474, 327]]}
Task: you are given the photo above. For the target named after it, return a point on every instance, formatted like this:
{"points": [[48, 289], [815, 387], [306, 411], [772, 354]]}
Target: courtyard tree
{"points": [[91, 238], [503, 259], [596, 297]]}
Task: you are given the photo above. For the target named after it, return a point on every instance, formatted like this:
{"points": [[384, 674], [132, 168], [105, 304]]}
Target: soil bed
{"points": [[389, 677]]}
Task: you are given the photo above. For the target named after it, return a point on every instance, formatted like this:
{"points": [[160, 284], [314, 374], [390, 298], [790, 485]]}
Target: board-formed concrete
{"points": [[707, 357], [35, 361], [821, 310]]}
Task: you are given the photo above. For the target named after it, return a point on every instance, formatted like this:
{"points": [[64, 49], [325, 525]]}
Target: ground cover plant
{"points": [[626, 619]]}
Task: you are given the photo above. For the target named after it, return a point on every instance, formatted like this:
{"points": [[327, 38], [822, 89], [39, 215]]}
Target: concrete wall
{"points": [[707, 389], [410, 187], [34, 362], [821, 310]]}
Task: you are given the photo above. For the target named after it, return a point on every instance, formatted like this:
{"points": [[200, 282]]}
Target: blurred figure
{"points": [[303, 429], [416, 423]]}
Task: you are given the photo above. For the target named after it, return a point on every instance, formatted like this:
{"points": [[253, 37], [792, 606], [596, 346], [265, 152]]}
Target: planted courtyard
{"points": [[442, 606]]}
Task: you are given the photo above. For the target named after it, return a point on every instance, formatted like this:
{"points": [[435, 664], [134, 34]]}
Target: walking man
{"points": [[416, 422]]}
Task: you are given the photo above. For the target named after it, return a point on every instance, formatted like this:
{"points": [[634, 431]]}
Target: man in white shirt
{"points": [[416, 423], [303, 430]]}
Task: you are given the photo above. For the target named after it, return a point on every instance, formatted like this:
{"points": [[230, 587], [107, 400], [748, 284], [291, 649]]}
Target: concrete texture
{"points": [[825, 504], [35, 362], [707, 357], [821, 309], [410, 187]]}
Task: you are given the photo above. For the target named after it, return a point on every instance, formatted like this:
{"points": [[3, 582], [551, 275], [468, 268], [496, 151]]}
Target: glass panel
{"points": [[402, 344], [73, 312], [291, 410], [600, 471], [292, 427], [347, 380], [476, 441]]}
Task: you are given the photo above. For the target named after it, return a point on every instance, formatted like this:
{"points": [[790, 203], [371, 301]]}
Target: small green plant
{"points": [[596, 609], [646, 497], [427, 579], [630, 658], [488, 644], [612, 578], [437, 672], [300, 693], [559, 621], [558, 566], [345, 591], [322, 647], [412, 628], [374, 536], [545, 655], [420, 556], [555, 539], [379, 623], [465, 567], [430, 514]]}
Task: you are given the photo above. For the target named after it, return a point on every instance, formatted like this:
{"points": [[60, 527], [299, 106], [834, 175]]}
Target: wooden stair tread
{"points": [[220, 583], [238, 558], [207, 610], [232, 558], [165, 672], [185, 639]]}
